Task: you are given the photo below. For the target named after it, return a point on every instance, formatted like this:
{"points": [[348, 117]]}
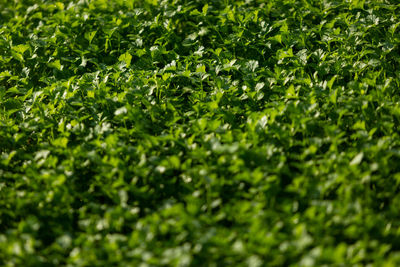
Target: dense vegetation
{"points": [[199, 133]]}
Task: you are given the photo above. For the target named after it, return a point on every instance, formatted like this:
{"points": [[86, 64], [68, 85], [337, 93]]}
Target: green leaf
{"points": [[204, 10], [201, 69], [56, 64], [90, 35], [21, 48], [60, 142], [126, 58]]}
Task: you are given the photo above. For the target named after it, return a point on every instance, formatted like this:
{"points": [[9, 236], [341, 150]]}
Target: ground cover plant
{"points": [[199, 133]]}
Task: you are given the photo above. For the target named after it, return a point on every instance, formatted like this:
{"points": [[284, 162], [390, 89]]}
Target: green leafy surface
{"points": [[199, 133]]}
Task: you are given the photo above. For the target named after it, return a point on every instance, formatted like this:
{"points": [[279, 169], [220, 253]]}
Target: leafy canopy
{"points": [[199, 133]]}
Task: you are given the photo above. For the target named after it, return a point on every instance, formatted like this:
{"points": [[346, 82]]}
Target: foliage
{"points": [[199, 133]]}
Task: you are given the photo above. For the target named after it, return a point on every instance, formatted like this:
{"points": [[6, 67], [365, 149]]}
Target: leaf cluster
{"points": [[199, 133]]}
